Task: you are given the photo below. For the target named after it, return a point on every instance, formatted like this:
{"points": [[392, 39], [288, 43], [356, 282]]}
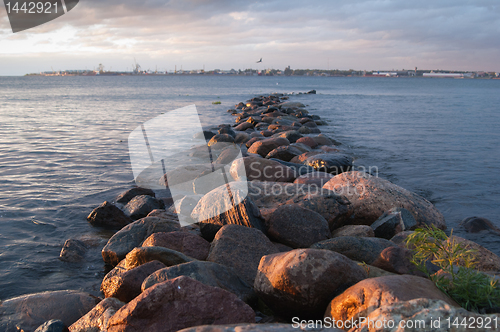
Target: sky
{"points": [[226, 34]]}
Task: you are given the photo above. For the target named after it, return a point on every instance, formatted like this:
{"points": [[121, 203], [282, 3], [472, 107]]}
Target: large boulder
{"points": [[227, 130], [126, 196], [268, 196], [477, 224], [220, 138], [219, 208], [291, 135], [132, 236], [180, 303], [334, 208], [127, 285], [244, 126], [296, 226], [108, 215], [424, 314], [254, 139], [373, 293], [97, 318], [251, 168], [73, 251], [142, 255], [140, 206], [285, 153], [263, 147], [301, 282], [372, 196], [324, 140], [189, 244], [309, 141], [241, 249], [209, 273], [27, 312], [361, 249]]}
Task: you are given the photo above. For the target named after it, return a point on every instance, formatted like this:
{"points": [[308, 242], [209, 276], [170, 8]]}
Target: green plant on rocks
{"points": [[470, 288]]}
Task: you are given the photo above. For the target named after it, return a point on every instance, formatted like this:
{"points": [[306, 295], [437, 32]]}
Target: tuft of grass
{"points": [[216, 103], [470, 288]]}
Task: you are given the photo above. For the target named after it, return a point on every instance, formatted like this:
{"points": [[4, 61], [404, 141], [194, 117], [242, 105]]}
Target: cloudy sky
{"points": [[225, 34]]}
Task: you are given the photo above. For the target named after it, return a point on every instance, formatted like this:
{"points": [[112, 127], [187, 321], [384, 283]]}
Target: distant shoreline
{"points": [[237, 75], [286, 72]]}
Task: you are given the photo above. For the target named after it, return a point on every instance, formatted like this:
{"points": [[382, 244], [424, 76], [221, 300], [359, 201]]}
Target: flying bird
{"points": [[259, 60]]}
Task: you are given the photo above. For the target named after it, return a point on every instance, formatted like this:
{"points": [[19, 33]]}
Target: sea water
{"points": [[63, 151]]}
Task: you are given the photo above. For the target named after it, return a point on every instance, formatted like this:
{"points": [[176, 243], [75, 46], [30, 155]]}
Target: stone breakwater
{"points": [[314, 244]]}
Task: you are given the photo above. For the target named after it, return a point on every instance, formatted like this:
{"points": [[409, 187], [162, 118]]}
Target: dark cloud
{"points": [[373, 33]]}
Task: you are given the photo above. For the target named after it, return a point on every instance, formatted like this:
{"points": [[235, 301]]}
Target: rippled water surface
{"points": [[63, 151]]}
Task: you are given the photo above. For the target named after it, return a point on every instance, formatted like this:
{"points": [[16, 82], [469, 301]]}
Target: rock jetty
{"points": [[314, 244]]}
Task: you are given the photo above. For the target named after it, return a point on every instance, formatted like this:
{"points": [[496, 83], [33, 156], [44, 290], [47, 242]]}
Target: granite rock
{"points": [[241, 249], [109, 216], [372, 196], [180, 303], [296, 226], [28, 312], [209, 273], [361, 249], [301, 282], [373, 293]]}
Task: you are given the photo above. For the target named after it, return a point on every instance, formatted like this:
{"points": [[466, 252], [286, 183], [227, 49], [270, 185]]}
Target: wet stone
{"points": [[132, 236], [140, 206], [109, 216], [126, 196], [73, 251]]}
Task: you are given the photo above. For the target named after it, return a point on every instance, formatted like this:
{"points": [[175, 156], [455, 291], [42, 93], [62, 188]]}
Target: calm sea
{"points": [[63, 151]]}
